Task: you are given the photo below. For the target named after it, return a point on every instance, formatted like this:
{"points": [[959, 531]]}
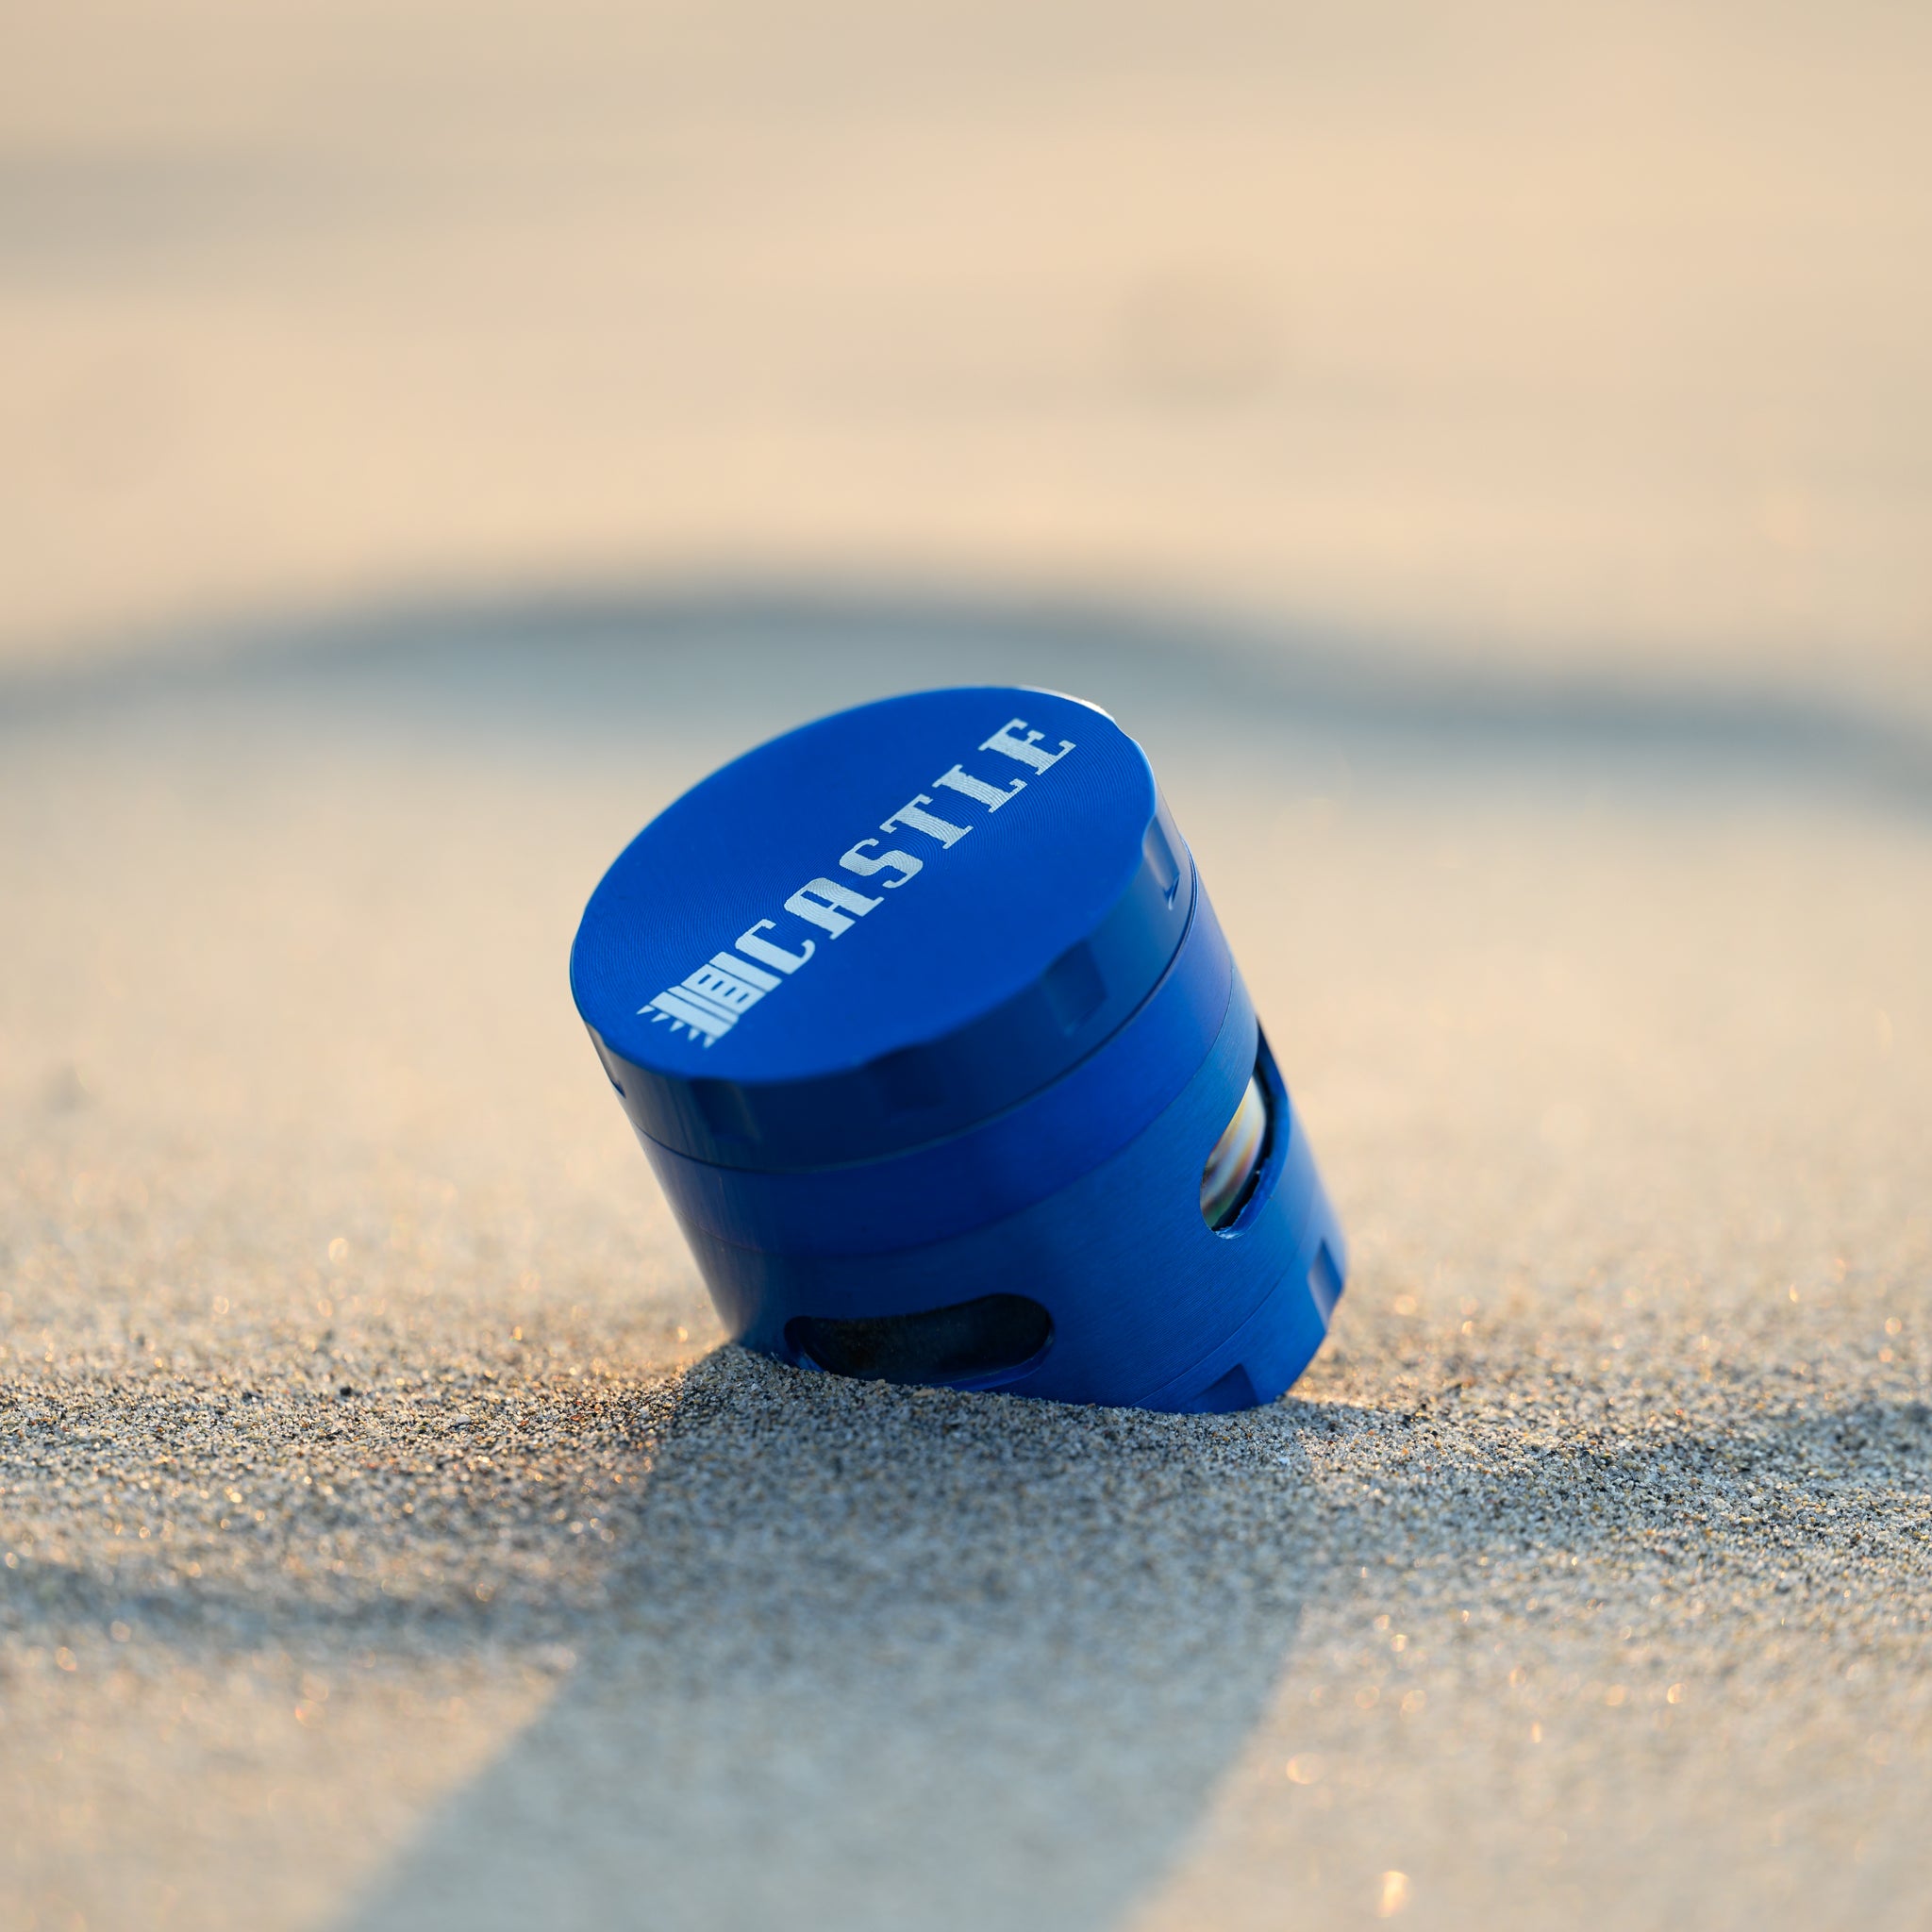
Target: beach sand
{"points": [[389, 1541], [1596, 336]]}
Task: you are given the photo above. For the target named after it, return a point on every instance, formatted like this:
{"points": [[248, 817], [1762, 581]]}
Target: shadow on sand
{"points": [[761, 655], [970, 1661]]}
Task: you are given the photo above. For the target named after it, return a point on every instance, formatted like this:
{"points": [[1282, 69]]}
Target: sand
{"points": [[1594, 335], [389, 1541]]}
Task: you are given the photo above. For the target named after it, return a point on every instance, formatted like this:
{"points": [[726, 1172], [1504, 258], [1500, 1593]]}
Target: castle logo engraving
{"points": [[708, 1001]]}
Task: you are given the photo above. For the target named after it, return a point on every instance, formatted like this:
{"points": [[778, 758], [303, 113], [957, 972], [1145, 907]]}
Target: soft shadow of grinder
{"points": [[927, 1028]]}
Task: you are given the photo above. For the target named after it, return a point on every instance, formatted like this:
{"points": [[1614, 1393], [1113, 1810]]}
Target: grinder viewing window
{"points": [[928, 1030]]}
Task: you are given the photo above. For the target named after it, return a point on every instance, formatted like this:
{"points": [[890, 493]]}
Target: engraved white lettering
{"points": [[864, 864], [943, 830], [767, 954], [1027, 749], [822, 899], [988, 795], [707, 1003]]}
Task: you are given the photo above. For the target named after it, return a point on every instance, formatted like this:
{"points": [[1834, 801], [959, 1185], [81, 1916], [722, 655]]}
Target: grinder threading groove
{"points": [[924, 1020]]}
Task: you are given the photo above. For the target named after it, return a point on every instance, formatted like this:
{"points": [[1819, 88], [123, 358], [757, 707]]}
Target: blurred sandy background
{"points": [[1483, 455], [1591, 335]]}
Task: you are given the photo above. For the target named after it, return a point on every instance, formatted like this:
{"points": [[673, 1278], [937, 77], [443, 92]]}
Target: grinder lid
{"points": [[882, 927]]}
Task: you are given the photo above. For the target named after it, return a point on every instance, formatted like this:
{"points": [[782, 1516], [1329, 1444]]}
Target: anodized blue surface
{"points": [[875, 930], [992, 1168], [1146, 1299], [984, 1050]]}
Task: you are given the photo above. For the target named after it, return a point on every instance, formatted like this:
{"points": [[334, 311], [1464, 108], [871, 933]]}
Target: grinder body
{"points": [[927, 1025]]}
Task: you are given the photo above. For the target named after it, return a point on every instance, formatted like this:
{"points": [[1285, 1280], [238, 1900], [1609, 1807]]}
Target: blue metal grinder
{"points": [[928, 1028]]}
